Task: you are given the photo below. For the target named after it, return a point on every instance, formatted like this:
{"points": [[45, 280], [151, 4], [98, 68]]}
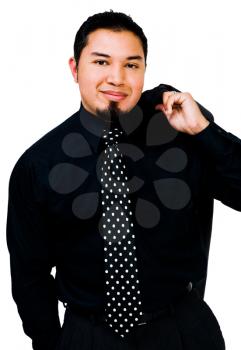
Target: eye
{"points": [[100, 61], [133, 65]]}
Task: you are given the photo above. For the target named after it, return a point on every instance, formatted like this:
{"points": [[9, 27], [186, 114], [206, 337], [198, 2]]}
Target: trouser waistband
{"points": [[146, 317], [168, 309]]}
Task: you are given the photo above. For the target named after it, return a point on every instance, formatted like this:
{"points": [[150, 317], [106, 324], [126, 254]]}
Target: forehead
{"points": [[104, 40]]}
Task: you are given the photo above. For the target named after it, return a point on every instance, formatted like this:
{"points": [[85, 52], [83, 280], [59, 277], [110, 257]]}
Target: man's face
{"points": [[106, 64]]}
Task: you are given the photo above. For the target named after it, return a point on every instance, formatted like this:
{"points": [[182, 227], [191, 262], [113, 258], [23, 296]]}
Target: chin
{"points": [[129, 107]]}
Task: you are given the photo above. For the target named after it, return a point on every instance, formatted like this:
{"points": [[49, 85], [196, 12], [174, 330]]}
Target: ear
{"points": [[73, 68]]}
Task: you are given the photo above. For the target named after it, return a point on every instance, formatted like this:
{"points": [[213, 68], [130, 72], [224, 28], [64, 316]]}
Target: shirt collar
{"points": [[93, 127]]}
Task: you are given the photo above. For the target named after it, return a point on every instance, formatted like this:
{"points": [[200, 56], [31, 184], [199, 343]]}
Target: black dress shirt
{"points": [[54, 210]]}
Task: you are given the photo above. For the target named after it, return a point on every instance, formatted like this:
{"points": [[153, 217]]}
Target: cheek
{"points": [[89, 76], [137, 86], [89, 82], [137, 82]]}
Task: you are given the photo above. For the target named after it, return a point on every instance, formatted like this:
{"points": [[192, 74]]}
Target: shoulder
{"points": [[150, 98], [48, 141], [45, 148]]}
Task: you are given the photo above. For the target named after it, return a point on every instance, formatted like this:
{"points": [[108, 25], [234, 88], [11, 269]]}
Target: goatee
{"points": [[111, 114]]}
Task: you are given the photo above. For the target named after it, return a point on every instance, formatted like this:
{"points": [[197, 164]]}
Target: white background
{"points": [[192, 46]]}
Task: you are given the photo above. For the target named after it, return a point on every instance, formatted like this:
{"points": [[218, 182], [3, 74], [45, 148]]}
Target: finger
{"points": [[169, 104], [175, 101], [165, 96], [159, 106], [162, 108]]}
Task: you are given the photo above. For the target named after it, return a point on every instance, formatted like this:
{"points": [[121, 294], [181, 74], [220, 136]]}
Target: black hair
{"points": [[115, 21]]}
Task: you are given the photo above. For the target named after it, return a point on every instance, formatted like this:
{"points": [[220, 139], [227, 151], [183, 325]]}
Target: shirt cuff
{"points": [[47, 341], [214, 141]]}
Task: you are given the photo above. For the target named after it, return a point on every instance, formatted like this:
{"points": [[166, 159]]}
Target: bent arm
{"points": [[220, 150]]}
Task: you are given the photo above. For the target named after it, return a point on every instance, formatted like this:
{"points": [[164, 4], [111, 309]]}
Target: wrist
{"points": [[202, 124]]}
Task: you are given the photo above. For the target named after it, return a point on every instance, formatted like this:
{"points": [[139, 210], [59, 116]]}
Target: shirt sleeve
{"points": [[220, 150], [221, 153], [29, 245], [150, 98]]}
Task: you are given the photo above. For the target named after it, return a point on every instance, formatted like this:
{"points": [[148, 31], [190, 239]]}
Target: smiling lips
{"points": [[116, 95]]}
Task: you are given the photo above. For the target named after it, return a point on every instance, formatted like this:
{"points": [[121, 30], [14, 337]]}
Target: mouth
{"points": [[111, 95]]}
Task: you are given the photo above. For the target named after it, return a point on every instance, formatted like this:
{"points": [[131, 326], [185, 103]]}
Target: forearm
{"points": [[221, 152], [31, 261], [37, 304]]}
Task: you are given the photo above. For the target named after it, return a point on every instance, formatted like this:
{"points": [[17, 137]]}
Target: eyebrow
{"points": [[137, 57]]}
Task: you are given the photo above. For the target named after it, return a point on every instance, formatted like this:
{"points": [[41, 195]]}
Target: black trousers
{"points": [[190, 325]]}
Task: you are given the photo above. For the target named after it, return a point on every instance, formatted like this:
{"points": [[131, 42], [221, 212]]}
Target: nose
{"points": [[116, 76]]}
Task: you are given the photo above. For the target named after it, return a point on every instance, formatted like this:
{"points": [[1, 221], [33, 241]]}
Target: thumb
{"points": [[160, 107]]}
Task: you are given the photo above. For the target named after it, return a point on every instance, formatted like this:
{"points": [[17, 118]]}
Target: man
{"points": [[176, 161]]}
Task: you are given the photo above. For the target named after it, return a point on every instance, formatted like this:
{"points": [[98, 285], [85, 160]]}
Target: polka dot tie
{"points": [[123, 302]]}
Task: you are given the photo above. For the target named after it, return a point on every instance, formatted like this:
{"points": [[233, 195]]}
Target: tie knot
{"points": [[112, 136]]}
